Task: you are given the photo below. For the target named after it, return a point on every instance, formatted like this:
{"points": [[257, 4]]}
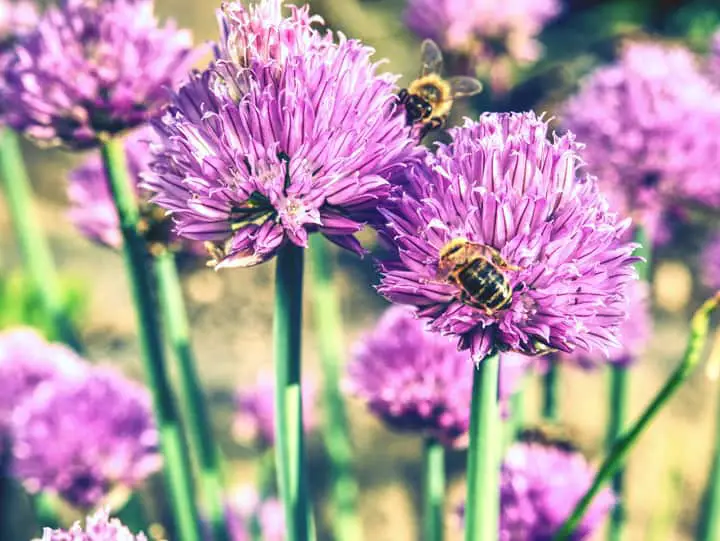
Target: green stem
{"points": [[336, 434], [34, 248], [615, 459], [434, 489], [617, 419], [289, 437], [550, 391], [142, 280], [483, 484], [517, 415], [133, 515], [191, 395]]}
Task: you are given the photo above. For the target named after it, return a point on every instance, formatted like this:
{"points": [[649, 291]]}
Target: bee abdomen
{"points": [[485, 285]]}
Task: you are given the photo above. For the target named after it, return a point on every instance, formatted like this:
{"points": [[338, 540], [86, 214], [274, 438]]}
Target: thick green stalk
{"points": [[550, 391], [483, 483], [36, 255], [142, 281], [434, 489], [615, 459], [336, 433], [197, 419], [289, 437]]}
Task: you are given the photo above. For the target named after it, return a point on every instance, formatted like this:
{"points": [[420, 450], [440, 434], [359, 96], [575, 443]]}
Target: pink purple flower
{"points": [[255, 411], [17, 18], [247, 507], [83, 437], [98, 527], [710, 263], [504, 191], [91, 69], [26, 361], [273, 144], [651, 123]]}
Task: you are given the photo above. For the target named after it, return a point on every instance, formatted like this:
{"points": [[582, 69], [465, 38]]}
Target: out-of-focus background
{"points": [[231, 310]]}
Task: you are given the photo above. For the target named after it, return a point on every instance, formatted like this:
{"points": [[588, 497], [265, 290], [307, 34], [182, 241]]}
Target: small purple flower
{"points": [[91, 69], [17, 18], [710, 263], [651, 123], [98, 527], [506, 198], [540, 486], [255, 415], [267, 147], [84, 437], [246, 507], [26, 361], [92, 209]]}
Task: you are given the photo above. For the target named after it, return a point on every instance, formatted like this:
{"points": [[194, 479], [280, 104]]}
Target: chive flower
{"points": [[246, 507], [91, 69], [83, 437], [98, 527], [17, 18], [291, 132], [501, 245]]}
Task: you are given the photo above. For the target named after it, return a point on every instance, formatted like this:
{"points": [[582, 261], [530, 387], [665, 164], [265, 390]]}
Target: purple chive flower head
{"points": [[98, 527], [92, 209], [255, 413], [246, 507], [17, 18], [26, 361], [83, 437], [272, 145], [503, 201], [539, 487], [710, 263], [91, 69], [651, 123], [413, 379]]}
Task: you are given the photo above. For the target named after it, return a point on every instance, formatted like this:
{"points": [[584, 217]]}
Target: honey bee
{"points": [[429, 98], [478, 271]]}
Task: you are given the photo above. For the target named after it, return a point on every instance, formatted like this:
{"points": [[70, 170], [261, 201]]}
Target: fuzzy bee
{"points": [[429, 98], [478, 271]]}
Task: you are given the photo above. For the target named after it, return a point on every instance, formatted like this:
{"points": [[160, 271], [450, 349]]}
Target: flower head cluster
{"points": [[91, 69], [504, 247], [710, 263], [26, 361], [540, 486], [291, 132], [651, 122], [246, 507], [17, 18], [98, 527], [93, 212], [255, 414], [85, 436]]}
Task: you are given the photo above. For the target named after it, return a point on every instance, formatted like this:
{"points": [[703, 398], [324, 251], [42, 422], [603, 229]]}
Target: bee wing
{"points": [[464, 86], [431, 57]]}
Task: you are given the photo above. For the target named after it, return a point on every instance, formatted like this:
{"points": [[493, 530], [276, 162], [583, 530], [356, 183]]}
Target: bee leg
{"points": [[433, 124], [501, 263]]}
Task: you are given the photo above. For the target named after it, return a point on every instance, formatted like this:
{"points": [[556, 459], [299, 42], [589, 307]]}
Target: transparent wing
{"points": [[464, 86], [431, 57]]}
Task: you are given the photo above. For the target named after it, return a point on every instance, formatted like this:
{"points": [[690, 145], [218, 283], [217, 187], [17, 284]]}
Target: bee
{"points": [[478, 271], [429, 98]]}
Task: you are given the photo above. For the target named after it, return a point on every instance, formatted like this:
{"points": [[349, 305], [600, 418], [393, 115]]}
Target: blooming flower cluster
{"points": [[26, 361], [651, 123], [84, 437], [490, 33], [17, 18], [503, 246], [290, 132], [255, 413], [91, 69], [98, 527], [540, 485]]}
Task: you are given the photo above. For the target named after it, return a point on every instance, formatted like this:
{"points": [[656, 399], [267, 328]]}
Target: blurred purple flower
{"points": [[710, 263], [98, 527], [93, 212], [270, 146], [17, 18], [503, 184], [84, 437], [651, 122], [714, 55], [26, 361], [246, 507], [255, 414], [91, 69]]}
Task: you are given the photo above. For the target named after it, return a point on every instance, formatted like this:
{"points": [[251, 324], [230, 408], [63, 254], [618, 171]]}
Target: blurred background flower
{"points": [[98, 527], [17, 18]]}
